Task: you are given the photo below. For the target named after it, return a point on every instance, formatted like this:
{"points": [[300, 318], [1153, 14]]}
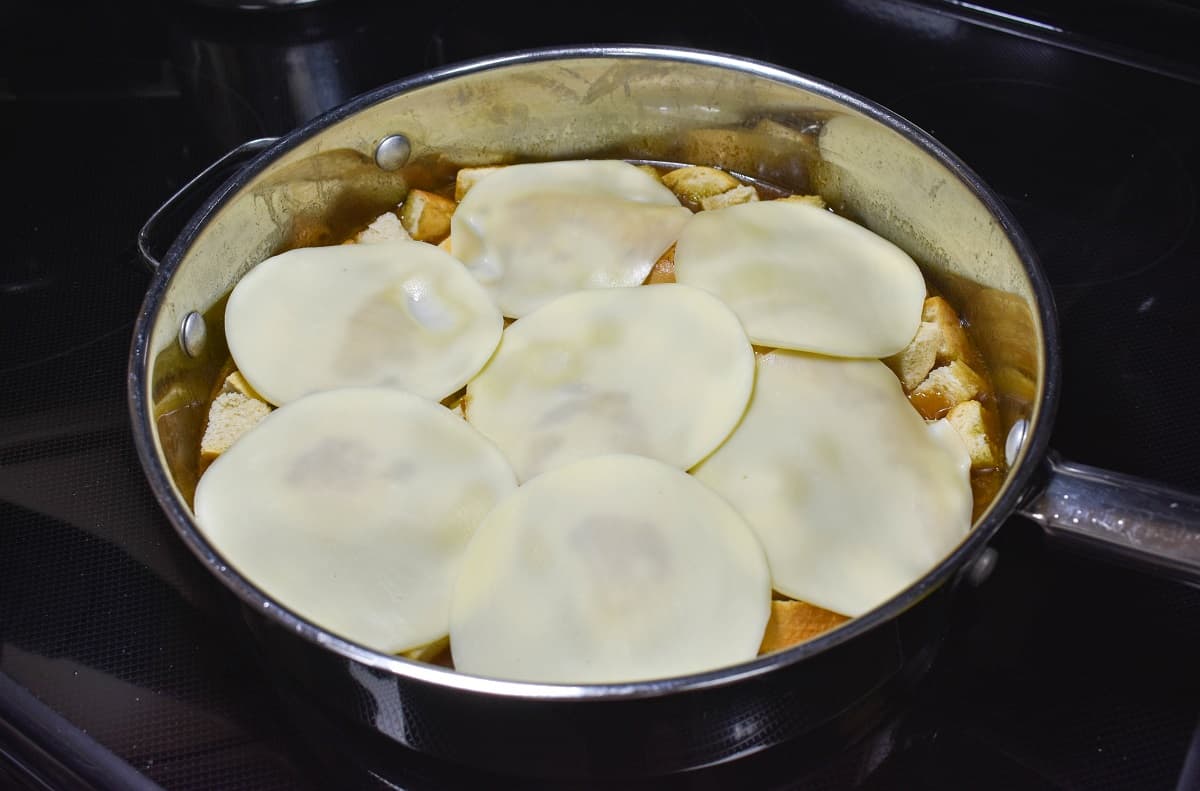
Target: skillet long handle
{"points": [[1126, 517], [201, 184]]}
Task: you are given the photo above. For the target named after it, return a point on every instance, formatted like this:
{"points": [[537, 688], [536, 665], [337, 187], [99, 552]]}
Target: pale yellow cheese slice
{"points": [[398, 314], [352, 508], [612, 569], [803, 278], [852, 494], [532, 232], [663, 371]]}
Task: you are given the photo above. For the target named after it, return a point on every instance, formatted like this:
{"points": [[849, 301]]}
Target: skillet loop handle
{"points": [[202, 184], [1124, 517]]}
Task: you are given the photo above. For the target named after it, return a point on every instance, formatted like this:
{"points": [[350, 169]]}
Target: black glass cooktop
{"points": [[122, 665]]}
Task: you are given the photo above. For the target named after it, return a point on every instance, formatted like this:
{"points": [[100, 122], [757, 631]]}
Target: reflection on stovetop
{"points": [[1059, 671], [1081, 183]]}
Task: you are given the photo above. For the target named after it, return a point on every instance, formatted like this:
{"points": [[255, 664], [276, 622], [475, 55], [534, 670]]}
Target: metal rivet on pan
{"points": [[983, 567], [1016, 438], [192, 334], [392, 152]]}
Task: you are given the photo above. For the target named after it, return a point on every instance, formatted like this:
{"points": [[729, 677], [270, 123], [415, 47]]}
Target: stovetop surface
{"points": [[123, 664]]}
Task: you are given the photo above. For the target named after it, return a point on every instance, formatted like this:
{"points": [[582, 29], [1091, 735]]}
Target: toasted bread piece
{"points": [[445, 244], [384, 228], [653, 171], [914, 362], [954, 343], [742, 194], [946, 387], [814, 200], [236, 383], [469, 177], [970, 421], [664, 268], [230, 416], [426, 215], [694, 183], [793, 622]]}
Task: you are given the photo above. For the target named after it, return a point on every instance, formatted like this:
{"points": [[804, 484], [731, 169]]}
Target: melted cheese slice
{"points": [[852, 494], [800, 277], [352, 508], [612, 569], [535, 231], [663, 371], [396, 314]]}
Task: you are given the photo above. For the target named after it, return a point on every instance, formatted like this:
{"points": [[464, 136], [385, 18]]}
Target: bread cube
{"points": [[384, 228], [469, 177], [954, 344], [693, 183], [793, 622], [236, 383], [914, 362], [813, 200], [945, 388], [733, 197], [426, 216], [971, 423], [651, 170], [230, 416], [664, 268]]}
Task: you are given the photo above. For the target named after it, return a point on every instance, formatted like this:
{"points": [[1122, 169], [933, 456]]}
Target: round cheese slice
{"points": [[398, 314], [852, 494], [663, 371], [535, 231], [612, 569], [352, 508], [803, 278]]}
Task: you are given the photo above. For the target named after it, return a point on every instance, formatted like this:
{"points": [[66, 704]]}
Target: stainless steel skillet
{"points": [[667, 105]]}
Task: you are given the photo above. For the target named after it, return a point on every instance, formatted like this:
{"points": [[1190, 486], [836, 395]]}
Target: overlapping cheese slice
{"points": [[532, 232], [352, 508], [663, 371], [611, 569], [800, 277], [398, 314], [852, 494]]}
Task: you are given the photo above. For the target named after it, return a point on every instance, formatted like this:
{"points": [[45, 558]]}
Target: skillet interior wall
{"points": [[770, 129]]}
